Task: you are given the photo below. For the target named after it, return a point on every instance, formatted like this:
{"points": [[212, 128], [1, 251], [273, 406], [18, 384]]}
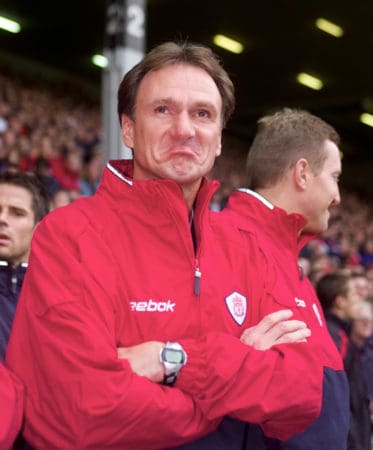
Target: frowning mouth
{"points": [[183, 150]]}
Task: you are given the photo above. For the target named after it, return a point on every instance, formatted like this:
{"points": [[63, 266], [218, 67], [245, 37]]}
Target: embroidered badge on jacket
{"points": [[237, 306]]}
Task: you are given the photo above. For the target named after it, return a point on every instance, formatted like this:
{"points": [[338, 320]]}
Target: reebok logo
{"points": [[299, 302], [153, 306]]}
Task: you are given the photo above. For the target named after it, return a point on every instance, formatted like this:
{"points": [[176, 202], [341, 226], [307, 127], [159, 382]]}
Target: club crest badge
{"points": [[237, 306]]}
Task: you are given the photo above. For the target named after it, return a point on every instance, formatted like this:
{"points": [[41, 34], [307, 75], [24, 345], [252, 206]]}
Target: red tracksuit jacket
{"points": [[117, 269], [276, 235], [11, 409]]}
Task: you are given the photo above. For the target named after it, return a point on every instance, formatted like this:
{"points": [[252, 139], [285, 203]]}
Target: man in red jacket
{"points": [[135, 263], [293, 169]]}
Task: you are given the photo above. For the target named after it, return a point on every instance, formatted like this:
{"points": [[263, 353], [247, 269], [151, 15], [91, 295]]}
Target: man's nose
{"points": [[337, 198], [183, 125], [3, 216]]}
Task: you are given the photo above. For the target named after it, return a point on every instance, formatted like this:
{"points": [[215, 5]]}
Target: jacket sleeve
{"points": [[11, 410], [80, 395], [280, 388]]}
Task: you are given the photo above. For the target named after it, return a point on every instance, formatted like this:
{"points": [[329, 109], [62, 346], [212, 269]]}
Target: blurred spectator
{"points": [[62, 197], [23, 203], [44, 171], [362, 337], [361, 285], [341, 302], [91, 174], [67, 170], [367, 253]]}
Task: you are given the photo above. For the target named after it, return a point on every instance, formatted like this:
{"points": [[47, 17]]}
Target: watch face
{"points": [[173, 356]]}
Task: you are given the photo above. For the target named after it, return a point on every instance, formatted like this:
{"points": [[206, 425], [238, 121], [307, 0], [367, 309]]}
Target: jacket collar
{"points": [[119, 172], [123, 169], [4, 263], [283, 227]]}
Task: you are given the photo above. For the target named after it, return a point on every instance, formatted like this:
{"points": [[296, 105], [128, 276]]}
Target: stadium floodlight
{"points": [[9, 25], [329, 27], [310, 81], [367, 119], [100, 61], [228, 44]]}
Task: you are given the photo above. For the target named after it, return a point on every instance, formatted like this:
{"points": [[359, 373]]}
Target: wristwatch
{"points": [[173, 357]]}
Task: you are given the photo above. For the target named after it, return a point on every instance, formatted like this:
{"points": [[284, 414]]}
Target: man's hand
{"points": [[276, 328], [144, 359]]}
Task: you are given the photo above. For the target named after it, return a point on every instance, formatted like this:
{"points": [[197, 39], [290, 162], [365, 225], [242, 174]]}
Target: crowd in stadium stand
{"points": [[58, 136], [54, 135]]}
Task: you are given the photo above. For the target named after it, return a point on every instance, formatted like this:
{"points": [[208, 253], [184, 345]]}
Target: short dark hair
{"points": [[281, 139], [170, 53], [329, 287], [32, 184]]}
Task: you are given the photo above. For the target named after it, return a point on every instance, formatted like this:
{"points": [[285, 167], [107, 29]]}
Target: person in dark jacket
{"points": [[23, 203], [341, 302]]}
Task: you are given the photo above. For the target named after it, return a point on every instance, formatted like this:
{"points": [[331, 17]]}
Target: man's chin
{"points": [[182, 173], [318, 228]]}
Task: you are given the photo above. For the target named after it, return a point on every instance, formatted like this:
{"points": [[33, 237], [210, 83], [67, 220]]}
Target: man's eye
{"points": [[18, 213], [203, 114], [161, 109]]}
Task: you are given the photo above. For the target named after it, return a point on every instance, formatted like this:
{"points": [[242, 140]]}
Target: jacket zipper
{"points": [[14, 284], [197, 279]]}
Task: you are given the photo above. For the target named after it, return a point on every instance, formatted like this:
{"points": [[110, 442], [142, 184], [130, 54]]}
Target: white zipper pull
{"points": [[197, 281]]}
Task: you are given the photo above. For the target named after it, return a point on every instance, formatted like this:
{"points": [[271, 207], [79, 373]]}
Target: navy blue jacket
{"points": [[11, 279], [359, 433]]}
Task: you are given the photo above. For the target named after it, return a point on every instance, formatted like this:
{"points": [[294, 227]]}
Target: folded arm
{"points": [[256, 379]]}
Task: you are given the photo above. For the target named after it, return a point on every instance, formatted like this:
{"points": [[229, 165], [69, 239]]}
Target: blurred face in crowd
{"points": [[363, 325], [17, 223], [61, 198], [362, 286], [350, 303], [176, 132], [323, 191]]}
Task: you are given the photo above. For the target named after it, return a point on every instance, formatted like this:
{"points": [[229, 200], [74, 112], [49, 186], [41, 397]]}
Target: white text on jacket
{"points": [[153, 306]]}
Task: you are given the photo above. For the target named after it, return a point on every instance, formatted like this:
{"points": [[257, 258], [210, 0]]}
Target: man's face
{"points": [[17, 223], [351, 301], [362, 286], [363, 324], [176, 132], [323, 191]]}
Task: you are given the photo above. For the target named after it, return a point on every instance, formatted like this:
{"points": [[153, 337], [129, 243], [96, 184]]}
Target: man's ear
{"points": [[127, 131], [302, 172]]}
